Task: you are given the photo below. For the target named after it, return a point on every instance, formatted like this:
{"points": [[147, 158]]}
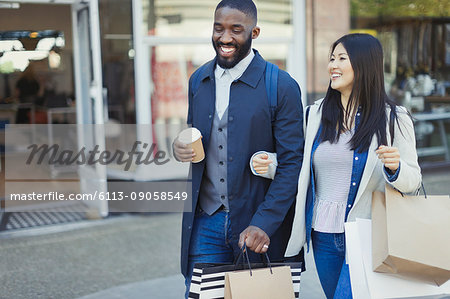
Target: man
{"points": [[230, 107]]}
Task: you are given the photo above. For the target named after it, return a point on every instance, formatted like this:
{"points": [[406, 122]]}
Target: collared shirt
{"points": [[224, 78]]}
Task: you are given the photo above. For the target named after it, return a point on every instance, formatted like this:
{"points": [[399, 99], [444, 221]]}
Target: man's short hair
{"points": [[245, 6]]}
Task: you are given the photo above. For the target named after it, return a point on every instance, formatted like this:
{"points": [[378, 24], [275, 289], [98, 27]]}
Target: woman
{"points": [[349, 153]]}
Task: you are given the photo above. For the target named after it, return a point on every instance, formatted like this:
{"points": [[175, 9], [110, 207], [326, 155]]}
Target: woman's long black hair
{"points": [[366, 57]]}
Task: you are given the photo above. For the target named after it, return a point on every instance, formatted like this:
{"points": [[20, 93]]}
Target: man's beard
{"points": [[241, 53]]}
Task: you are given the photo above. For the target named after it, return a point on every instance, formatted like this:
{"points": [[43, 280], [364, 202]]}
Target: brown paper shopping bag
{"points": [[265, 283], [208, 280], [411, 235]]}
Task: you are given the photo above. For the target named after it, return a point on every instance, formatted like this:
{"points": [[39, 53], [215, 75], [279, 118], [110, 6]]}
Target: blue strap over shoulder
{"points": [[271, 76]]}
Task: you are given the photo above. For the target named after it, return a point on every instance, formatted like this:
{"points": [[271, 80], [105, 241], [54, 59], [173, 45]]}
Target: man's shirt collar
{"points": [[236, 71]]}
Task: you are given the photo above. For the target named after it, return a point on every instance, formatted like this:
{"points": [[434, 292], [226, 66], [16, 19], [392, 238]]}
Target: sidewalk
{"points": [[120, 257], [172, 287]]}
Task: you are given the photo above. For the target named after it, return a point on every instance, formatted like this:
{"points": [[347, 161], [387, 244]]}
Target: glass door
{"points": [[89, 98]]}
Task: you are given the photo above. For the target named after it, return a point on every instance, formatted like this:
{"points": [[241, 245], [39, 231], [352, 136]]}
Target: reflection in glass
{"points": [[117, 59]]}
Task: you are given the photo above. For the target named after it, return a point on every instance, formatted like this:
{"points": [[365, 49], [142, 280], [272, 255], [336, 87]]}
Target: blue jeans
{"points": [[329, 255], [210, 241]]}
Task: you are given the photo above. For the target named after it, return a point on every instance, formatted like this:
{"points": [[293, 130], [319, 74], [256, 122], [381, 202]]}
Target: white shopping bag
{"points": [[355, 262], [369, 284]]}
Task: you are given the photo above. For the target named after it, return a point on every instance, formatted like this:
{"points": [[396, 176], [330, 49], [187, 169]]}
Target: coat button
{"points": [[189, 227], [222, 180], [220, 147], [230, 118], [230, 159], [210, 116], [220, 129]]}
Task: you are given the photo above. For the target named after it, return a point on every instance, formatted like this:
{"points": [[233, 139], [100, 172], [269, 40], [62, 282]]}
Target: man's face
{"points": [[232, 36]]}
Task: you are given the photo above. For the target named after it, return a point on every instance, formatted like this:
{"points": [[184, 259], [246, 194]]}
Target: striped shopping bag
{"points": [[208, 280]]}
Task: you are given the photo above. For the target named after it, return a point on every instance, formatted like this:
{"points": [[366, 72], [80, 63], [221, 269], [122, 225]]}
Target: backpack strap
{"points": [[271, 78]]}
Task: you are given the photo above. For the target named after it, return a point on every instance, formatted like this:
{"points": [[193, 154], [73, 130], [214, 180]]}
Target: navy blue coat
{"points": [[253, 200]]}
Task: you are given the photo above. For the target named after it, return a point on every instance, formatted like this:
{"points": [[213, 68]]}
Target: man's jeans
{"points": [[210, 241], [329, 255]]}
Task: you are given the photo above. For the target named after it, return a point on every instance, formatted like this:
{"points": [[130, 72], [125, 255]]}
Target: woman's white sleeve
{"points": [[409, 176]]}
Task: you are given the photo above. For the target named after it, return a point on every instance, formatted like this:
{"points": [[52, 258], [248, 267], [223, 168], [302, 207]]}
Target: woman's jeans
{"points": [[210, 241], [329, 255]]}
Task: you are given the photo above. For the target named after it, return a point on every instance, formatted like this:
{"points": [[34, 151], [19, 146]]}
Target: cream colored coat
{"points": [[373, 178]]}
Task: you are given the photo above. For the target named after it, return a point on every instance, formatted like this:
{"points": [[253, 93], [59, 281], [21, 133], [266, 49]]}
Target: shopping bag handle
{"points": [[421, 187], [244, 255], [268, 261]]}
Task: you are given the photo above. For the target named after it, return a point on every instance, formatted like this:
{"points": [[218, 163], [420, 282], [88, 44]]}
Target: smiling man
{"points": [[232, 48], [229, 104]]}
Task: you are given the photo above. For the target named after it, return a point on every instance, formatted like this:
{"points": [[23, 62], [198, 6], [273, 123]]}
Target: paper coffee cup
{"points": [[193, 138]]}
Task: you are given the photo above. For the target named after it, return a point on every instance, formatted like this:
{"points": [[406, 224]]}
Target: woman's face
{"points": [[341, 71]]}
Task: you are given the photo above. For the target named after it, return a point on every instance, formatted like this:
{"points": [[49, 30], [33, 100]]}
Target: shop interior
{"points": [[36, 63], [38, 74], [417, 76]]}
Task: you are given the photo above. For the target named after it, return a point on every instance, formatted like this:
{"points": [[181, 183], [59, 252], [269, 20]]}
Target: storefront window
{"points": [[416, 40], [36, 68], [117, 59]]}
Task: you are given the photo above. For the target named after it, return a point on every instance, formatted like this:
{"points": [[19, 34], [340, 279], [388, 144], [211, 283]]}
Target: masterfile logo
{"points": [[130, 168], [54, 155]]}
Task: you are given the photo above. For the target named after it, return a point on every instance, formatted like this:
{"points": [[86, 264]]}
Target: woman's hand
{"points": [[261, 163], [389, 156]]}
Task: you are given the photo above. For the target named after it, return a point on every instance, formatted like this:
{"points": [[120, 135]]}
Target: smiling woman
{"points": [[356, 141], [341, 71]]}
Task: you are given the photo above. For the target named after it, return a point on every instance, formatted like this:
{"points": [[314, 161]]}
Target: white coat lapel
{"points": [[313, 125], [371, 162], [311, 130]]}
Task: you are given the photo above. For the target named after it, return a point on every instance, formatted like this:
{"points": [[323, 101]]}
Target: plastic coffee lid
{"points": [[189, 135]]}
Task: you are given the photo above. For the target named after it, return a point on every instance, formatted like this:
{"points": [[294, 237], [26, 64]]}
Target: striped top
{"points": [[333, 169]]}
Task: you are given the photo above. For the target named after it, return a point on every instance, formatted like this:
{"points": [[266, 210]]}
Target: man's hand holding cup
{"points": [[188, 146]]}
